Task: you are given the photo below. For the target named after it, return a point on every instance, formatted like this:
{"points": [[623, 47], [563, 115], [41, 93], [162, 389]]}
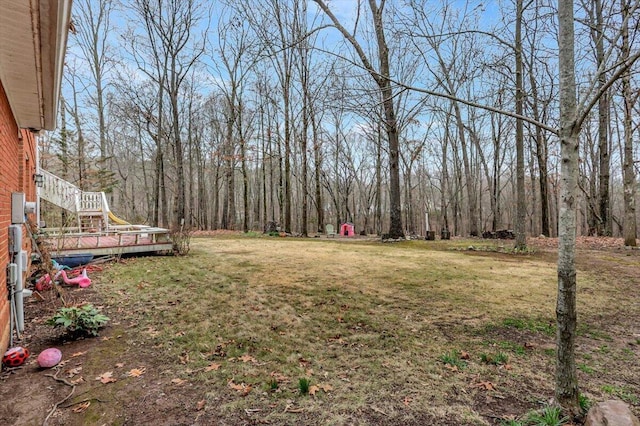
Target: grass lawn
{"points": [[258, 330]]}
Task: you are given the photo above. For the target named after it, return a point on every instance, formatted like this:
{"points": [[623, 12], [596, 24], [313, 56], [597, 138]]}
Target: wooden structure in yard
{"points": [[97, 230]]}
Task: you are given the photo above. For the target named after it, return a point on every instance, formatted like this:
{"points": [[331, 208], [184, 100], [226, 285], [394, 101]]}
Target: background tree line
{"points": [[231, 114]]}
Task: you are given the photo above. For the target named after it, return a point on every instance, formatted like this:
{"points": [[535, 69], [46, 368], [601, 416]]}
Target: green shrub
{"points": [[84, 320]]}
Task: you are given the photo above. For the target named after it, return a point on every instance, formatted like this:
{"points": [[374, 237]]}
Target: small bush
{"points": [[181, 240], [79, 321]]}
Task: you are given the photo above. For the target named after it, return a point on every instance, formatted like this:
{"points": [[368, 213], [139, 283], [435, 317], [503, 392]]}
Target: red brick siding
{"points": [[17, 166]]}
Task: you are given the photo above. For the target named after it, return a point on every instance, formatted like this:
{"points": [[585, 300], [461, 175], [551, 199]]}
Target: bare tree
{"points": [[93, 28], [381, 76]]}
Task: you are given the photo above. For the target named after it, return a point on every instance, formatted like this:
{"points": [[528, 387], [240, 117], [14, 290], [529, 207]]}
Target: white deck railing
{"points": [[60, 192], [69, 197]]}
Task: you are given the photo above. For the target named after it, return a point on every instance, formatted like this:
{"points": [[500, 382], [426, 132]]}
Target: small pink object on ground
{"points": [[49, 358], [81, 280], [347, 230]]}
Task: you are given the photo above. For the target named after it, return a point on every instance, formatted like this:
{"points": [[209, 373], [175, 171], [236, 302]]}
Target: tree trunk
{"points": [[604, 224], [629, 178], [521, 207], [566, 378]]}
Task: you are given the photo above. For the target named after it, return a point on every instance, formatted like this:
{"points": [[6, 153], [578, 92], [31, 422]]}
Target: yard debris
{"points": [[136, 372], [485, 385], [247, 358], [213, 367], [242, 388], [106, 377], [81, 408]]}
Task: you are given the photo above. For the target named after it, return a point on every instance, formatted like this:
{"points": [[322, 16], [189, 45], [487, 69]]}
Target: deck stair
{"points": [[97, 229]]}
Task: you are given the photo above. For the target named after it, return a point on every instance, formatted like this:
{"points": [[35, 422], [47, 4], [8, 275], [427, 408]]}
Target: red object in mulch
{"points": [[44, 283], [15, 357]]}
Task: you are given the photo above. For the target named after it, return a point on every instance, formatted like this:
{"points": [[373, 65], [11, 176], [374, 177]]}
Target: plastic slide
{"points": [[115, 219]]}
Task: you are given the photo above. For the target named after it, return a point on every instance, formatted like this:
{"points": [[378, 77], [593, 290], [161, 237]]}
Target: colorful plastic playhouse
{"points": [[347, 230]]}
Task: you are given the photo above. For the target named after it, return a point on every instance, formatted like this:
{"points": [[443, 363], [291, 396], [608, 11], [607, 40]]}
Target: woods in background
{"points": [[234, 114]]}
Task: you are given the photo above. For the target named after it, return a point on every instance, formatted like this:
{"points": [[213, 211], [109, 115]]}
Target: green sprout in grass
{"points": [[273, 384], [303, 385], [584, 402], [496, 359], [453, 359], [549, 416]]}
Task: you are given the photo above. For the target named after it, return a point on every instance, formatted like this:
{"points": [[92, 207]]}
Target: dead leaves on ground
{"points": [[81, 408], [106, 377], [315, 388], [242, 388], [485, 385], [136, 372], [247, 358], [213, 367]]}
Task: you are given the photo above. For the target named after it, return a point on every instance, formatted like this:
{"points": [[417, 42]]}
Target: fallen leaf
{"points": [[313, 389], [184, 358], [200, 405], [451, 367], [325, 387], [107, 377], [105, 338], [77, 354], [136, 372], [407, 401], [309, 372], [485, 385], [120, 365], [280, 378], [243, 388], [212, 367], [74, 371], [77, 381], [507, 367], [82, 407], [178, 381], [464, 355], [247, 358]]}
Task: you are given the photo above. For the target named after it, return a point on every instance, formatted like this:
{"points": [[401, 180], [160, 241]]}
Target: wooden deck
{"points": [[117, 240]]}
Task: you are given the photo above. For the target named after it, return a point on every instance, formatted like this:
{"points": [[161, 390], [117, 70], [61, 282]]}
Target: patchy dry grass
{"points": [[240, 321]]}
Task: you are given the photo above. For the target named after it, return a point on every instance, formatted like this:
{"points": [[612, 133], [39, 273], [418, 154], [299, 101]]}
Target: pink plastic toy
{"points": [[44, 283], [81, 280]]}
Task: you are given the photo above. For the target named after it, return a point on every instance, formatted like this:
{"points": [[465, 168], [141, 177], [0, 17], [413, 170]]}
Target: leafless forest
{"points": [[231, 114]]}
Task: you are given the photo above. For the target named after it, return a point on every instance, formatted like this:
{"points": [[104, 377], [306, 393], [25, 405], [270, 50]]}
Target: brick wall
{"points": [[17, 167]]}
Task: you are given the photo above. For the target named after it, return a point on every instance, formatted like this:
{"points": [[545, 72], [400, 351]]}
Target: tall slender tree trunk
{"points": [[541, 156], [629, 178], [378, 217], [566, 378], [444, 190], [521, 207], [317, 158], [604, 226]]}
